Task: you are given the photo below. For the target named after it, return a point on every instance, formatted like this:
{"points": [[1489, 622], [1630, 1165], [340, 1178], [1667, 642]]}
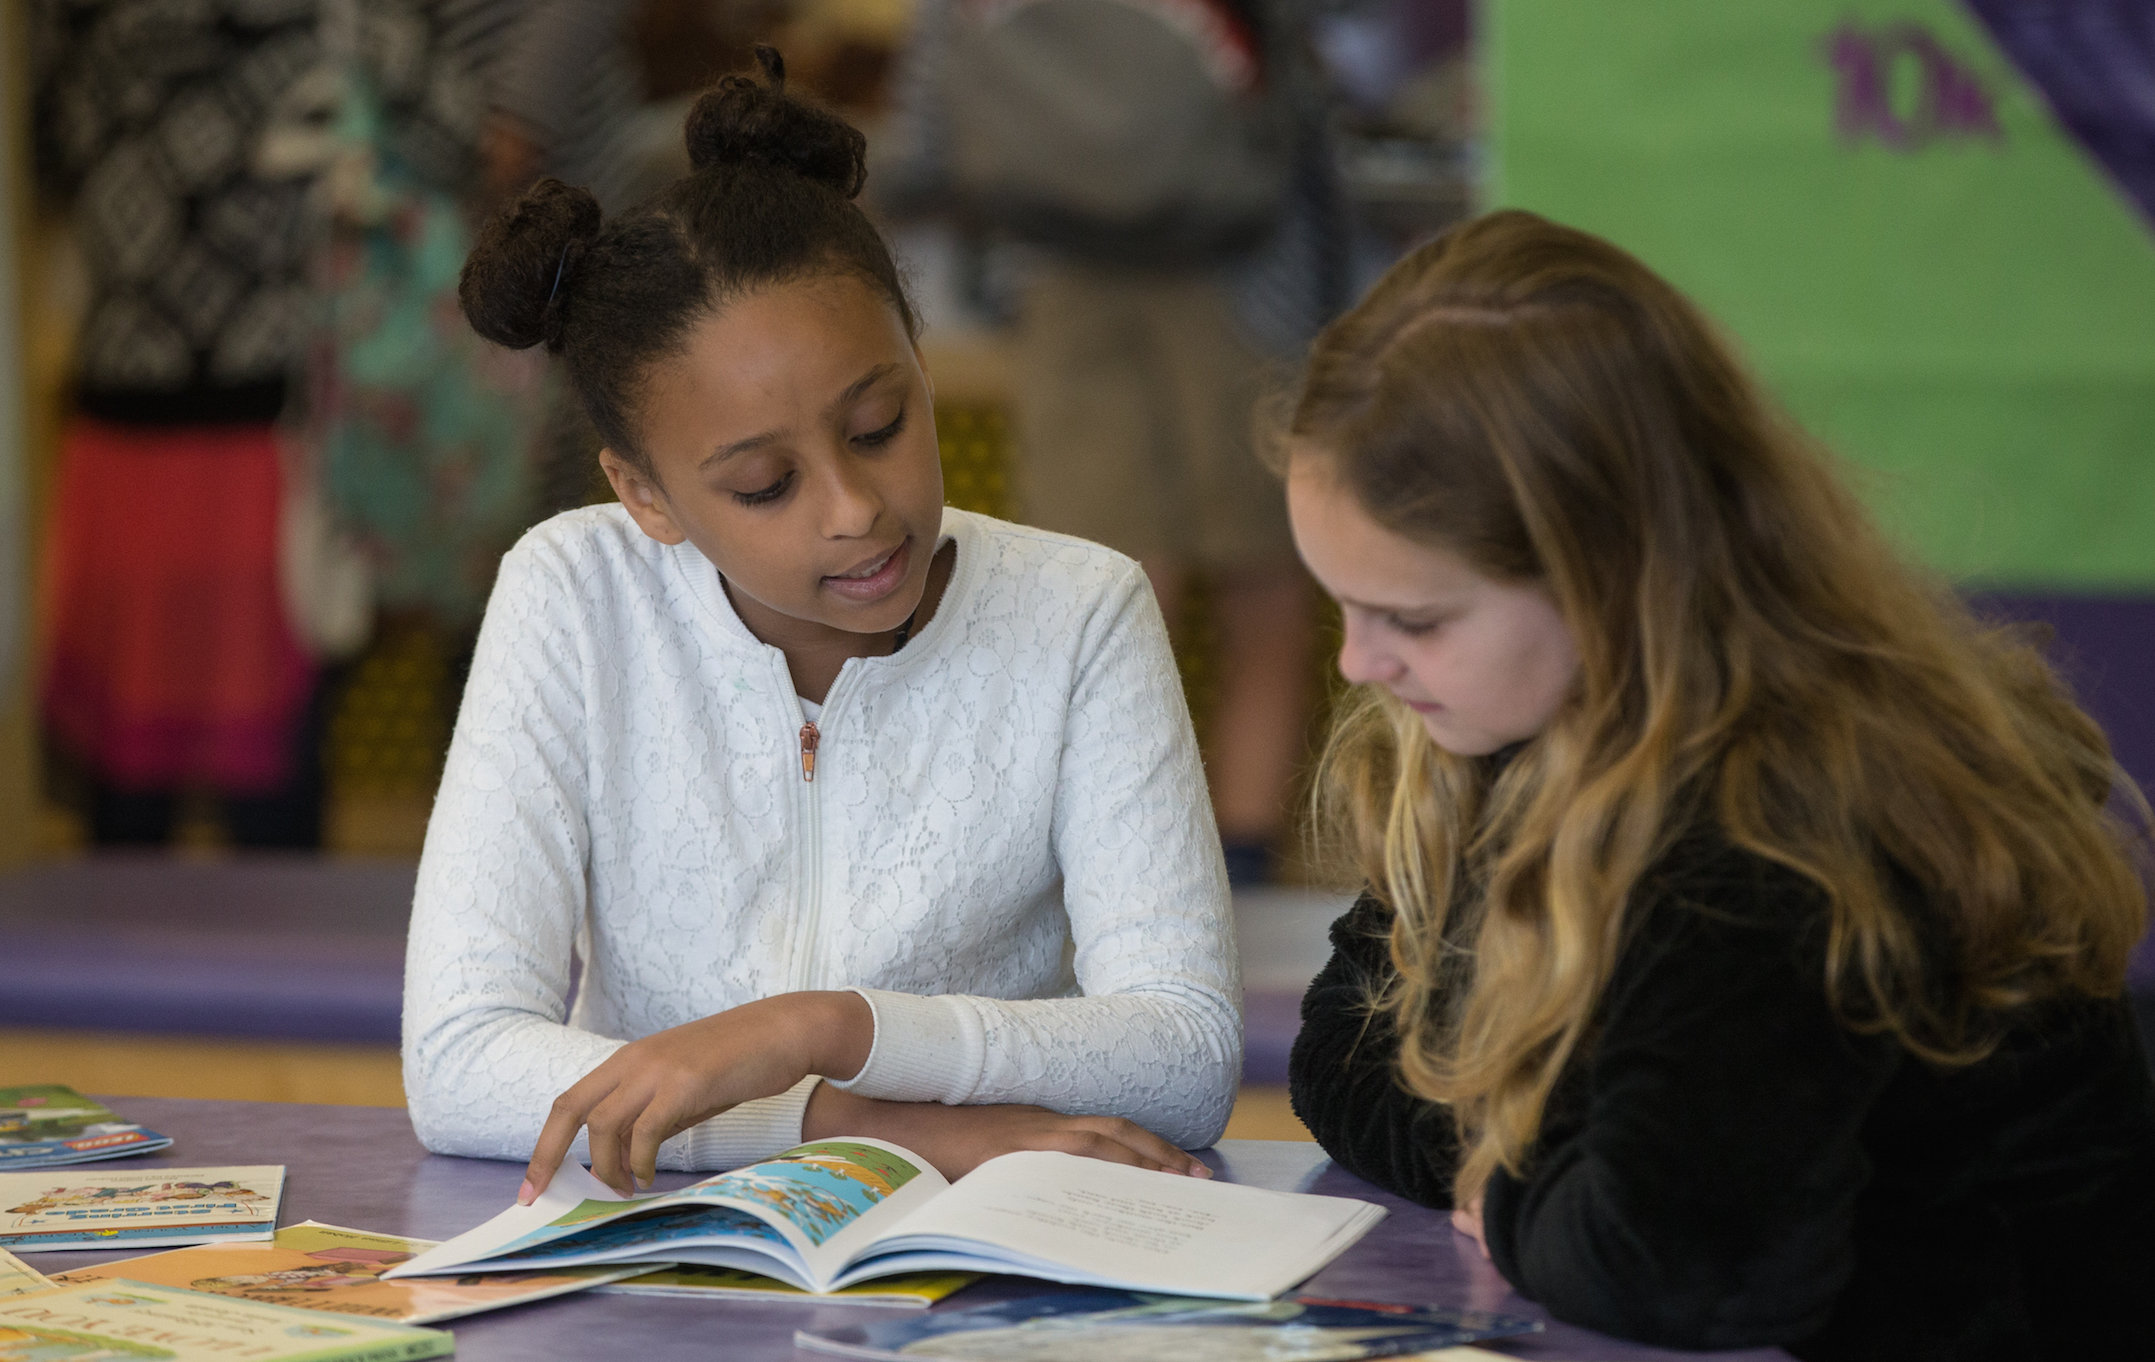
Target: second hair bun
{"points": [[743, 121]]}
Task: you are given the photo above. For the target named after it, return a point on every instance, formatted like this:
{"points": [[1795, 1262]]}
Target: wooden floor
{"points": [[341, 1075]]}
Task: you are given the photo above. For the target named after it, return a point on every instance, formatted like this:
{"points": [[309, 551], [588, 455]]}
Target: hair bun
{"points": [[742, 121], [516, 279]]}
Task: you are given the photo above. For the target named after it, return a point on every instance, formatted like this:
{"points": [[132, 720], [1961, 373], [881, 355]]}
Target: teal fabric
{"points": [[425, 433]]}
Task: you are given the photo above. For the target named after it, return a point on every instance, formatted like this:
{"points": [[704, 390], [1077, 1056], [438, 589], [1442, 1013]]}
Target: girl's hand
{"points": [[652, 1089], [959, 1139], [1467, 1220]]}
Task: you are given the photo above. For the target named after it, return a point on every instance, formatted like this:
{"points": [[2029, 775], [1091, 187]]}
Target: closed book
{"points": [[312, 1266], [46, 1125], [104, 1208], [121, 1319]]}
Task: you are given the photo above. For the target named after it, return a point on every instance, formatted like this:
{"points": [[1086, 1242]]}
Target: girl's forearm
{"points": [[839, 1028], [958, 1139]]}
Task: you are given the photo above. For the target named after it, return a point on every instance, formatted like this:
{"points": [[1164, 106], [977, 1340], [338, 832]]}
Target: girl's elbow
{"points": [[432, 1122], [1670, 1299], [1211, 1123], [443, 1115], [448, 1127], [1205, 1120], [433, 1119], [1694, 1326]]}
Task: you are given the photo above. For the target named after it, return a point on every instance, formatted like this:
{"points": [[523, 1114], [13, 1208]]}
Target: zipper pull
{"points": [[811, 739]]}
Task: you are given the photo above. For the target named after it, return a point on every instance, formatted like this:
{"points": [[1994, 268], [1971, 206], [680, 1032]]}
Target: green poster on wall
{"points": [[1914, 250]]}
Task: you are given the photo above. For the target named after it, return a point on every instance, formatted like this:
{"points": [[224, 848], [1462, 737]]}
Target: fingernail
{"points": [[1198, 1170], [526, 1194]]}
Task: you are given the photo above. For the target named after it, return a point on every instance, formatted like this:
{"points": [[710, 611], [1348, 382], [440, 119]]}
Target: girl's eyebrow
{"points": [[1436, 607], [844, 399], [861, 385]]}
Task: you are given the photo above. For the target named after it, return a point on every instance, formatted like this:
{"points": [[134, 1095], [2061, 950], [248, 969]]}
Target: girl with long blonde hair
{"points": [[1745, 924]]}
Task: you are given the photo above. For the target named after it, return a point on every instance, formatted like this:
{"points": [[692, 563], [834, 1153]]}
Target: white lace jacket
{"points": [[1007, 847]]}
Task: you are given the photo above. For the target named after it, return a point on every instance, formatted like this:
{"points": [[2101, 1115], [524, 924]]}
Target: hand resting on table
{"points": [[652, 1089]]}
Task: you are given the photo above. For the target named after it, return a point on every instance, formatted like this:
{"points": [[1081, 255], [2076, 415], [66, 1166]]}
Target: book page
{"points": [[1115, 1225], [800, 1209]]}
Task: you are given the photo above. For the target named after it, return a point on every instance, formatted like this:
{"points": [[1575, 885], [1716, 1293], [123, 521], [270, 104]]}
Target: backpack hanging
{"points": [[1128, 131]]}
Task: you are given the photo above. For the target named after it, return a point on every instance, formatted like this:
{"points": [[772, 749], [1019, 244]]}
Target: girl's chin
{"points": [[1452, 740]]}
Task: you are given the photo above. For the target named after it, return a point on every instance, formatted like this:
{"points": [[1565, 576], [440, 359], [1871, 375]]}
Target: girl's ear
{"points": [[641, 496]]}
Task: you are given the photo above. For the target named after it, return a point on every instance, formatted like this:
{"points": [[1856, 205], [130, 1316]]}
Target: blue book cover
{"points": [[47, 1125], [1123, 1326]]}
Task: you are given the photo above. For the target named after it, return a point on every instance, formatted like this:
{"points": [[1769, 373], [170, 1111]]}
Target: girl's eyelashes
{"points": [[766, 494], [885, 434], [1413, 628], [874, 439]]}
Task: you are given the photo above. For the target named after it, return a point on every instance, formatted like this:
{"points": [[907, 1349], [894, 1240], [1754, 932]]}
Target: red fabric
{"points": [[169, 660]]}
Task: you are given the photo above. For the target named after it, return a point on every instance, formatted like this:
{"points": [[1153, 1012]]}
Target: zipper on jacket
{"points": [[811, 904], [809, 910]]}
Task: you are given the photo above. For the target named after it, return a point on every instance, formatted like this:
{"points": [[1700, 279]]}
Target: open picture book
{"points": [[826, 1215]]}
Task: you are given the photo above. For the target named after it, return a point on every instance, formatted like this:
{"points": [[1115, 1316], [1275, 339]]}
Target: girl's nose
{"points": [[854, 504], [1362, 660]]}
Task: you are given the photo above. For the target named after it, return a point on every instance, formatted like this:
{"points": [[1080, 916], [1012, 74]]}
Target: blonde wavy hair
{"points": [[1753, 658]]}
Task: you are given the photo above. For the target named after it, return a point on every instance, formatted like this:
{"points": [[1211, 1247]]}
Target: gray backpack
{"points": [[1136, 131]]}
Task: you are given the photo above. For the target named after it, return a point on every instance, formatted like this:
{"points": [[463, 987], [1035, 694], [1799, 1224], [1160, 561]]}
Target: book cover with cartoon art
{"points": [[772, 1218], [48, 1125], [77, 1208], [125, 1321], [312, 1266]]}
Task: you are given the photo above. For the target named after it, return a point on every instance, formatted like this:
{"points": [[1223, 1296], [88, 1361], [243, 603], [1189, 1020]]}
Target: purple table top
{"points": [[361, 1167]]}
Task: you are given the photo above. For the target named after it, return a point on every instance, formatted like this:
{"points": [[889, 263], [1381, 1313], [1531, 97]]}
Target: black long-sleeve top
{"points": [[1724, 1164]]}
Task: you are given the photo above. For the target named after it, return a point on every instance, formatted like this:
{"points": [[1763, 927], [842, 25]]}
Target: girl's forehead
{"points": [[796, 320], [1359, 560], [805, 341]]}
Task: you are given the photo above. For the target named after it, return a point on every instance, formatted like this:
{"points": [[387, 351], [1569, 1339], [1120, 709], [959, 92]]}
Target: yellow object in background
{"points": [[914, 1289]]}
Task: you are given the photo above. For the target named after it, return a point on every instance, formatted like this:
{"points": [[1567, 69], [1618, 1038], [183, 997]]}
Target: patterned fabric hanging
{"points": [[422, 433]]}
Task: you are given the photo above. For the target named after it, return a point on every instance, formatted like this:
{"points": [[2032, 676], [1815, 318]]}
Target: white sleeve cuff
{"points": [[925, 1049], [751, 1131]]}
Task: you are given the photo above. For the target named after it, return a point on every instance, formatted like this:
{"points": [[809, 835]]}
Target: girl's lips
{"points": [[877, 584], [1420, 706]]}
